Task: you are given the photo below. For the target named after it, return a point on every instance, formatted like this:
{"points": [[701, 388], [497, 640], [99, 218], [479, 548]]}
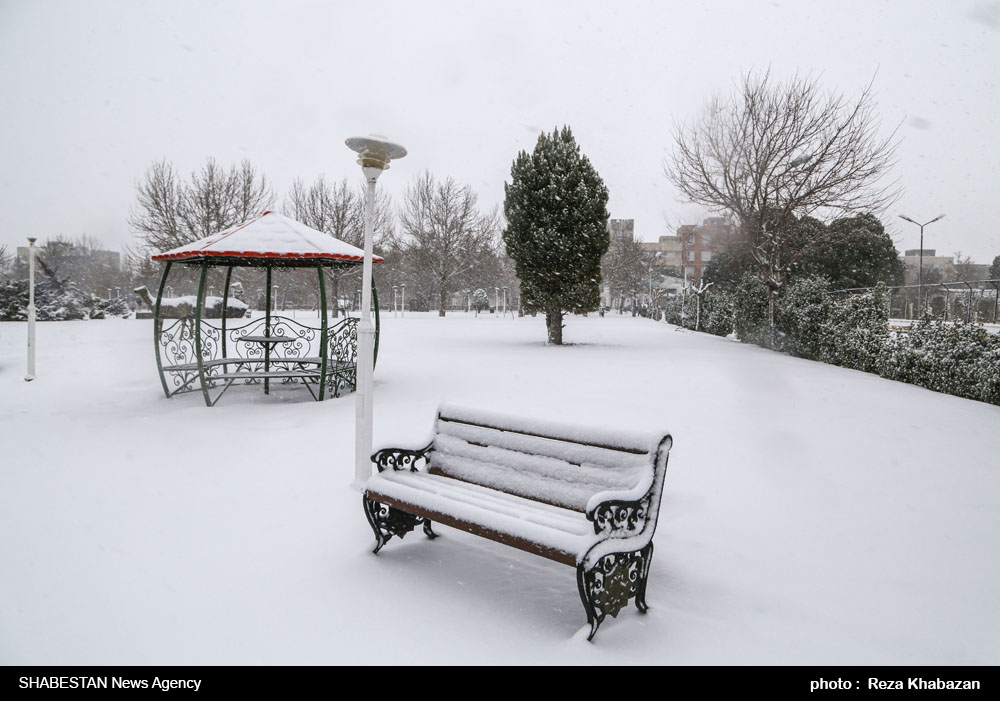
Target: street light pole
{"points": [[374, 154], [920, 267], [31, 310]]}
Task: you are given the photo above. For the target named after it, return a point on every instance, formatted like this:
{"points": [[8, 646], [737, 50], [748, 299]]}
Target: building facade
{"points": [[691, 249]]}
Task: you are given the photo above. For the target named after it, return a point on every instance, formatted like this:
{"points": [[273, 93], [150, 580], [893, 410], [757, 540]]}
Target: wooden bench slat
{"points": [[476, 529], [539, 487], [621, 441], [578, 453], [600, 477]]}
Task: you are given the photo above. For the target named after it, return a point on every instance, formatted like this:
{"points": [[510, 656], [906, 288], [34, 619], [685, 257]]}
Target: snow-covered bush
{"points": [[480, 300], [183, 307], [853, 331], [55, 301], [750, 311], [856, 331], [717, 312], [956, 358], [800, 315]]}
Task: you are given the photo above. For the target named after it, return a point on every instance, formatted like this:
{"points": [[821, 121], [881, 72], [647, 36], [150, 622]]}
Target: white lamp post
{"points": [[31, 310], [374, 154], [395, 300], [402, 300]]}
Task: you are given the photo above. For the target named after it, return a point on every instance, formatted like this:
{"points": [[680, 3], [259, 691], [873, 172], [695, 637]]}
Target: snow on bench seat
{"points": [[550, 527]]}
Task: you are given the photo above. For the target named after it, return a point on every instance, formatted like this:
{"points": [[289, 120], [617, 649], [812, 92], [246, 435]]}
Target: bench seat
{"points": [[331, 364], [551, 531]]}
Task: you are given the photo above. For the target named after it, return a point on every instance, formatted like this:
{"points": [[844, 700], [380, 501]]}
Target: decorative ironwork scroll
{"points": [[177, 350], [387, 522], [607, 587], [620, 519], [399, 459]]}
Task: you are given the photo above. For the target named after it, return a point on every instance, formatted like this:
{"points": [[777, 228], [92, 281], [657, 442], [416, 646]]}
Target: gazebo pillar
{"points": [[198, 313], [267, 331], [158, 328], [323, 332]]}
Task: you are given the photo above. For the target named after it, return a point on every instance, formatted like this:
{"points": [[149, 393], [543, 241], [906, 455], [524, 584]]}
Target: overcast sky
{"points": [[92, 92]]}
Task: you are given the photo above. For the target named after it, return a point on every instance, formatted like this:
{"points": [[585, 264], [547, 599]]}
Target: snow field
{"points": [[811, 514]]}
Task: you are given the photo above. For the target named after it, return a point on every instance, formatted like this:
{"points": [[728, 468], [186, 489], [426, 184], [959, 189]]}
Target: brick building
{"points": [[692, 248]]}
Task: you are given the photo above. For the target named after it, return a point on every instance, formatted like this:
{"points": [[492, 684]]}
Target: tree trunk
{"points": [[444, 295], [772, 303], [336, 295], [553, 322]]}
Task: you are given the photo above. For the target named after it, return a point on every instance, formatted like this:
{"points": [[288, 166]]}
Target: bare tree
{"points": [[5, 261], [338, 209], [447, 236], [964, 269], [171, 213], [623, 268], [772, 153]]}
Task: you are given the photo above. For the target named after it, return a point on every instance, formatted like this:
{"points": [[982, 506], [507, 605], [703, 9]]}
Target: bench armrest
{"points": [[619, 518], [400, 459]]}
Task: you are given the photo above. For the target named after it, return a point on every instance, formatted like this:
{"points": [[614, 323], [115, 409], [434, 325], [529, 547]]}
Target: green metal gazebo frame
{"points": [[192, 354]]}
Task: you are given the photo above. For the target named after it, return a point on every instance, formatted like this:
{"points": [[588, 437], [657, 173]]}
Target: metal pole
{"points": [[31, 310], [996, 300], [920, 271], [402, 300], [366, 348]]}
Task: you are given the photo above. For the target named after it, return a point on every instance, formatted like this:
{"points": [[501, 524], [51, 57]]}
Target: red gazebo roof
{"points": [[269, 236]]}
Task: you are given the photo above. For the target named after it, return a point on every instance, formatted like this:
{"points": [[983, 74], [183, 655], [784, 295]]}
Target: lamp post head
{"points": [[31, 240], [903, 216], [374, 153]]}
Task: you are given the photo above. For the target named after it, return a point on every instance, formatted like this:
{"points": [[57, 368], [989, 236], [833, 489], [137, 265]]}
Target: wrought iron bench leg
{"points": [[387, 522], [605, 588]]}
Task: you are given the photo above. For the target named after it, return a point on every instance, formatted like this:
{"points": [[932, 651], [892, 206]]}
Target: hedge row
{"points": [[852, 331]]}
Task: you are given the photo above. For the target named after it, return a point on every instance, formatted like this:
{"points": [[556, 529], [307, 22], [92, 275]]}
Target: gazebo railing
{"points": [[239, 356]]}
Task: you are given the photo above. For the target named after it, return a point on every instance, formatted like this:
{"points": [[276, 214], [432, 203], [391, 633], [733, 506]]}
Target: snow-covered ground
{"points": [[811, 514]]}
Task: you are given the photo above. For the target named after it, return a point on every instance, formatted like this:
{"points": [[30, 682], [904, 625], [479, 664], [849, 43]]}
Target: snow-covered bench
{"points": [[585, 497]]}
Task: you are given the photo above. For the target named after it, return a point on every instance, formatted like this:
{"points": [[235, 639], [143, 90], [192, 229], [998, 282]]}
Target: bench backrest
{"points": [[552, 463]]}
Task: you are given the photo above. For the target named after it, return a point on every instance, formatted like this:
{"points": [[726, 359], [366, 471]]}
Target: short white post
{"points": [[31, 310], [402, 304]]}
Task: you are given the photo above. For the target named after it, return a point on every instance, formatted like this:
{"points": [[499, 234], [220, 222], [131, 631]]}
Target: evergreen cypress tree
{"points": [[557, 228]]}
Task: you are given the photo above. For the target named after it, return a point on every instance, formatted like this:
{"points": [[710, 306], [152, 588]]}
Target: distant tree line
{"points": [[438, 242]]}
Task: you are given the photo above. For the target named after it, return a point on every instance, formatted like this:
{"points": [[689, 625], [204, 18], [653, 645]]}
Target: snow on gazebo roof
{"points": [[269, 236]]}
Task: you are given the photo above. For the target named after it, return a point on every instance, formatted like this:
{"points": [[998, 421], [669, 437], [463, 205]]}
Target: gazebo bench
{"points": [[308, 368], [585, 497]]}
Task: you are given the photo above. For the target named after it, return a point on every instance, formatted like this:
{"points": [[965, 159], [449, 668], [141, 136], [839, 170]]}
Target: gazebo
{"points": [[192, 353]]}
